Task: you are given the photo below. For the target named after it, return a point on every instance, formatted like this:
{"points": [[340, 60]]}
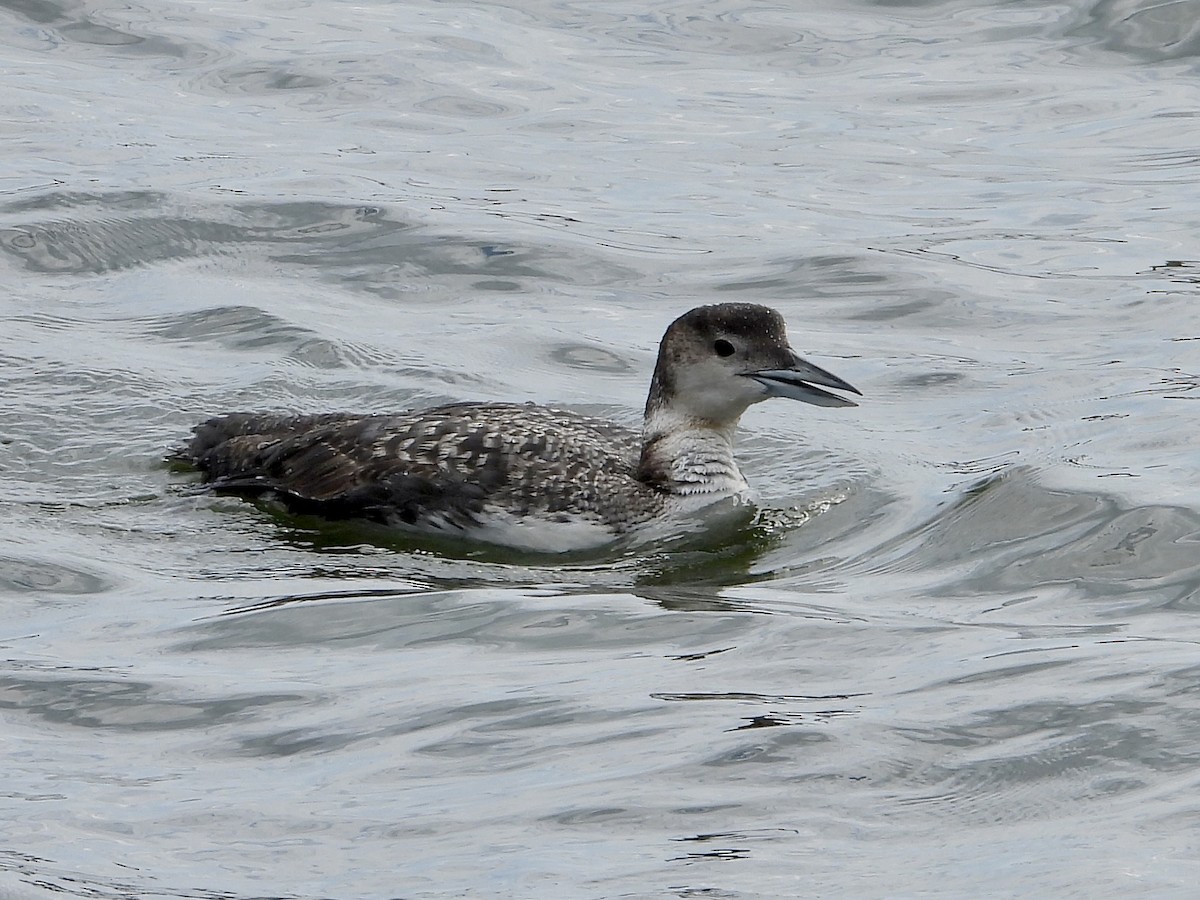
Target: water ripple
{"points": [[24, 576]]}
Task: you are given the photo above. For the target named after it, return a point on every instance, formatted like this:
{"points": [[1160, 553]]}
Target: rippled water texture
{"points": [[957, 654]]}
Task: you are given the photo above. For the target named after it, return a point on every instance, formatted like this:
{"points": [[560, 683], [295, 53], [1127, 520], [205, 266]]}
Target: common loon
{"points": [[529, 476]]}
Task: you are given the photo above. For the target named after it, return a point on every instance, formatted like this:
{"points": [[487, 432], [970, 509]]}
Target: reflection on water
{"points": [[1147, 32], [955, 645], [82, 246]]}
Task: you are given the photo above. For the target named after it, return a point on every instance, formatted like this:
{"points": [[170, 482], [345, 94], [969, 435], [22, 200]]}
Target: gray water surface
{"points": [[957, 655]]}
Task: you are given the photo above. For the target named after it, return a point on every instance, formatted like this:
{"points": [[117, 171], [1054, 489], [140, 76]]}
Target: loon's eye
{"points": [[723, 347]]}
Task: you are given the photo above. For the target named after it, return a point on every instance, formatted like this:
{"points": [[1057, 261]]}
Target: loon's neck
{"points": [[684, 455]]}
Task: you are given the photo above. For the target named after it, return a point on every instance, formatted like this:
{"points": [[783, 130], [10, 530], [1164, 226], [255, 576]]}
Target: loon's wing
{"points": [[434, 468], [382, 468]]}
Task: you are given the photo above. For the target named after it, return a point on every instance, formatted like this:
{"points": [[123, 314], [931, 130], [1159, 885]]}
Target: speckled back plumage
{"points": [[440, 467]]}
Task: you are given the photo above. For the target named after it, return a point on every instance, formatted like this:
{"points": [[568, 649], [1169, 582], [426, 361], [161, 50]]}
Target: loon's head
{"points": [[714, 361]]}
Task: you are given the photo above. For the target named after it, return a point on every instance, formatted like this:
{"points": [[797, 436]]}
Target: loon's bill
{"points": [[793, 384]]}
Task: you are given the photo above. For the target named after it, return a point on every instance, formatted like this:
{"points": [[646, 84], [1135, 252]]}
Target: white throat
{"points": [[685, 455]]}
